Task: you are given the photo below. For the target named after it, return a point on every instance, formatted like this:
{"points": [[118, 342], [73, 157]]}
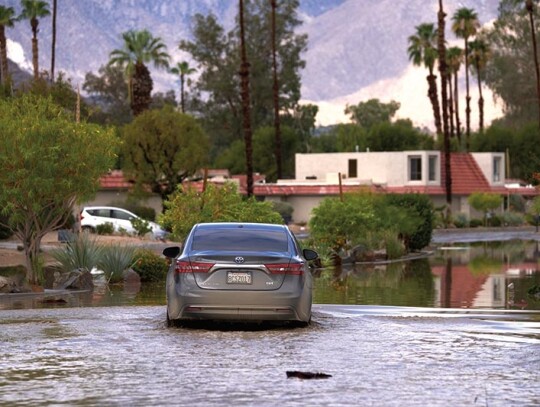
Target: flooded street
{"points": [[461, 327], [376, 355]]}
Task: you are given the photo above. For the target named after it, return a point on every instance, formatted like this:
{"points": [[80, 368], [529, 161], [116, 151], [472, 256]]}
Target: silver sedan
{"points": [[239, 272]]}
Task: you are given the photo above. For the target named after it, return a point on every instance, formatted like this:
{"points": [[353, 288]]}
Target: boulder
{"points": [[79, 279], [13, 284]]}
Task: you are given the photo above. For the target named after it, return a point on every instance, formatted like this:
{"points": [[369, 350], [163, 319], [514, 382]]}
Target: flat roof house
{"points": [[317, 176]]}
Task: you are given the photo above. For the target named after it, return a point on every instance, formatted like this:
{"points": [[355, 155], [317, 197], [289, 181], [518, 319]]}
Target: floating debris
{"points": [[307, 375]]}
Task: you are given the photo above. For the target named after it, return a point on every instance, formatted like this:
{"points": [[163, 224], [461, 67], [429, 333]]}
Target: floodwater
{"points": [[459, 328]]}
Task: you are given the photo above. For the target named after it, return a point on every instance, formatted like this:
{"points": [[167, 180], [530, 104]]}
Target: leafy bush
{"points": [[517, 203], [474, 223], [106, 228], [114, 260], [485, 202], [422, 207], [461, 220], [512, 219], [187, 207], [81, 253], [141, 226], [285, 209], [494, 220], [150, 266]]}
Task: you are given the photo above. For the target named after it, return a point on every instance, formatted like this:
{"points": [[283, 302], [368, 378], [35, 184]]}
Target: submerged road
{"points": [[377, 356]]}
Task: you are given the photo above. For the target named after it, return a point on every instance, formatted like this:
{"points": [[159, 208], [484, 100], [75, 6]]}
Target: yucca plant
{"points": [[115, 260], [81, 253]]}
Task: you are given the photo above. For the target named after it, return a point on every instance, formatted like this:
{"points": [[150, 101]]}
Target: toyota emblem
{"points": [[239, 260]]}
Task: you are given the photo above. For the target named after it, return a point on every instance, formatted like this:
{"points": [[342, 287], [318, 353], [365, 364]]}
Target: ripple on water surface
{"points": [[376, 356]]}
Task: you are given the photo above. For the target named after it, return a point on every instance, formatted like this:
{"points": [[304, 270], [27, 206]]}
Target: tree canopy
{"points": [[162, 147], [48, 163], [371, 112]]}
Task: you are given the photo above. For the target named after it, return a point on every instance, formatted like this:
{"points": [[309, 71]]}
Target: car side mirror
{"points": [[310, 254], [171, 252]]}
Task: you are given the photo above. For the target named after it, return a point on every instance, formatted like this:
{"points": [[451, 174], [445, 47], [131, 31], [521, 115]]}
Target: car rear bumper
{"points": [[243, 313]]}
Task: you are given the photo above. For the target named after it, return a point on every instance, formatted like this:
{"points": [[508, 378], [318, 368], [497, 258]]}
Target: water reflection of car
{"points": [[121, 219], [239, 272]]}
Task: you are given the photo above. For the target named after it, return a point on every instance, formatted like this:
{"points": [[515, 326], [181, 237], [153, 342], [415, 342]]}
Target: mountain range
{"points": [[357, 49]]}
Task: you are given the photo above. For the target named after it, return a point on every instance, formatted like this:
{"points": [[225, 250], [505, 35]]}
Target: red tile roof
{"points": [[115, 180]]}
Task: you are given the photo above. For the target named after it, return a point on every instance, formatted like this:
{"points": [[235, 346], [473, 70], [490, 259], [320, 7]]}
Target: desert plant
{"points": [[81, 253], [461, 220], [150, 266], [285, 209], [474, 223], [141, 226], [114, 260], [512, 219], [106, 228]]}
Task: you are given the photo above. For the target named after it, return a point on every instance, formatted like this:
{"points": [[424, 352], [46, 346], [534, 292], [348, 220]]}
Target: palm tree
{"points": [[454, 56], [275, 90], [444, 95], [529, 5], [7, 19], [465, 26], [53, 41], [246, 110], [423, 51], [479, 53], [139, 49], [182, 69], [33, 10]]}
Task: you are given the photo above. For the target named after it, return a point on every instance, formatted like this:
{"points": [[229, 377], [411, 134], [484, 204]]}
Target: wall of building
{"points": [[485, 162]]}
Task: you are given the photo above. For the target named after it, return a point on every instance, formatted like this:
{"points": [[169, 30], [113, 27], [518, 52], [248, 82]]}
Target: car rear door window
{"points": [[121, 215], [240, 239]]}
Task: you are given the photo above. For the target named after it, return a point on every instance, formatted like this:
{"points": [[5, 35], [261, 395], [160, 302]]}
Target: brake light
{"points": [[193, 267], [286, 268]]}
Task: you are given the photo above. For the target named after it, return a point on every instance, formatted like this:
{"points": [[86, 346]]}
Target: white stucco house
{"points": [[317, 176]]}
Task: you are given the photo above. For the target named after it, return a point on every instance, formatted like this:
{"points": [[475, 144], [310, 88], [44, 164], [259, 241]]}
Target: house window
{"points": [[433, 163], [353, 168], [497, 169], [415, 169]]}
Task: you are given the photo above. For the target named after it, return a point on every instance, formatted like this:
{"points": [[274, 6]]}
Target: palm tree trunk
{"points": [[142, 86], [433, 97], [275, 89], [444, 88], [182, 102], [480, 99], [456, 107], [53, 46], [451, 106], [246, 104], [35, 60], [467, 98], [4, 74], [530, 10]]}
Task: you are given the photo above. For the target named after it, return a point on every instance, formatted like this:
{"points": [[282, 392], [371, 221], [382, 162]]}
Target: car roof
{"points": [[246, 225], [104, 207]]}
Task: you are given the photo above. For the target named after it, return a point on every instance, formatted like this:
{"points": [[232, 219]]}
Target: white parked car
{"points": [[92, 216]]}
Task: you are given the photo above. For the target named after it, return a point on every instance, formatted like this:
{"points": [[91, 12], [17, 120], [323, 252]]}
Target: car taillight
{"points": [[193, 267], [286, 268], [81, 216]]}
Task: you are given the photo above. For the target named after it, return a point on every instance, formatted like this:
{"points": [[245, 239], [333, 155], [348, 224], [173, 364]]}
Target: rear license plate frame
{"points": [[239, 277]]}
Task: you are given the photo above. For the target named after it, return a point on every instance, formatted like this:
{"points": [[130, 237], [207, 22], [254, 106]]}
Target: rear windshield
{"points": [[240, 240]]}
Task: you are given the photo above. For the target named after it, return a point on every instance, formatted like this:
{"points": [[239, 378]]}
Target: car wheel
{"points": [[88, 229]]}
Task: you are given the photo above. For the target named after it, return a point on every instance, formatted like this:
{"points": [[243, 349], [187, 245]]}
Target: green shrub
{"points": [[485, 202], [141, 226], [422, 207], [461, 220], [81, 253], [512, 219], [494, 221], [150, 266], [187, 207], [114, 260], [106, 228], [474, 223], [394, 246], [285, 209]]}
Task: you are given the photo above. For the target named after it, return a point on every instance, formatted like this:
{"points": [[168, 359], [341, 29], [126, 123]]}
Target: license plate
{"points": [[238, 278]]}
